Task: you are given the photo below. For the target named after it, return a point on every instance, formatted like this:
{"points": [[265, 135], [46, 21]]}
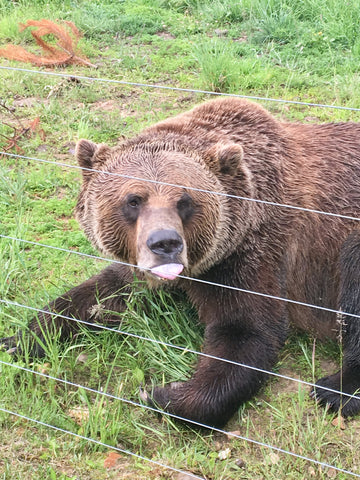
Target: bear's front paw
{"points": [[348, 405], [192, 406], [160, 397], [175, 399]]}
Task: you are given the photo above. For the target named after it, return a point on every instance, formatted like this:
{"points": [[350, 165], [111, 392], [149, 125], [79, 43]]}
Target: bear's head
{"points": [[150, 205]]}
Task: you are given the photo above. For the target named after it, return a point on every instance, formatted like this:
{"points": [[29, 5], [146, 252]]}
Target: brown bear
{"points": [[193, 204]]}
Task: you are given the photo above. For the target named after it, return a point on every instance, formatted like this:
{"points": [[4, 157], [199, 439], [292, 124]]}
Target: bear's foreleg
{"points": [[90, 301], [218, 388], [347, 380]]}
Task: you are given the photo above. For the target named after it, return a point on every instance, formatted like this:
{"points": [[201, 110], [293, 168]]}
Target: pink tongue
{"points": [[169, 271]]}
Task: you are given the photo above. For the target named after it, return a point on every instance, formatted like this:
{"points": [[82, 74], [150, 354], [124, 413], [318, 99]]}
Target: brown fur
{"points": [[235, 148]]}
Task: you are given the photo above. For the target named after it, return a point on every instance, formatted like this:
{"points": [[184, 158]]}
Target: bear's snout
{"points": [[165, 243]]}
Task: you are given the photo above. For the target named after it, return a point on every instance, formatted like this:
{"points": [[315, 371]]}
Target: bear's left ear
{"points": [[225, 157]]}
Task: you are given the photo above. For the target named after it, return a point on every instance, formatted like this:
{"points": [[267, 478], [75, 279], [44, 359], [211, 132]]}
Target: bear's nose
{"points": [[165, 242]]}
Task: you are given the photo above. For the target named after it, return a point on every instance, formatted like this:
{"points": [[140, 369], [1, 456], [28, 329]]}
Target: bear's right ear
{"points": [[90, 156], [84, 153]]}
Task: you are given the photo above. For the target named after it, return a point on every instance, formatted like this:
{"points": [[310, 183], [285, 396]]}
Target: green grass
{"points": [[301, 50]]}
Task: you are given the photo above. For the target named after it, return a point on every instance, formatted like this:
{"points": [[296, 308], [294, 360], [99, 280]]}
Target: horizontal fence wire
{"points": [[177, 89], [194, 279], [4, 301], [158, 182], [233, 435], [171, 345], [102, 444]]}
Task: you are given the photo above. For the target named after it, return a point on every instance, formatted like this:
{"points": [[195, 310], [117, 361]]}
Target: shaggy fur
{"points": [[237, 148]]}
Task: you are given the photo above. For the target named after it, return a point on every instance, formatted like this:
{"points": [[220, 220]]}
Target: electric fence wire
{"points": [[194, 279], [102, 444], [171, 345], [176, 417], [144, 85], [158, 182], [176, 89]]}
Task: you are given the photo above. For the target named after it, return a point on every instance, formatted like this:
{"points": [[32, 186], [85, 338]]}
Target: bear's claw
{"points": [[8, 344], [144, 395]]}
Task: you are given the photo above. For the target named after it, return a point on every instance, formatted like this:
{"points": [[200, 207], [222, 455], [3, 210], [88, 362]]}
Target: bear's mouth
{"points": [[167, 271]]}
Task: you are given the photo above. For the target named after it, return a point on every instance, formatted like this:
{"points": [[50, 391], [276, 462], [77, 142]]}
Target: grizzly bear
{"points": [[225, 203]]}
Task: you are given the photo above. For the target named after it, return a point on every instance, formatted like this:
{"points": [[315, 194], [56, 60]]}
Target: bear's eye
{"points": [[131, 207], [134, 201], [185, 207]]}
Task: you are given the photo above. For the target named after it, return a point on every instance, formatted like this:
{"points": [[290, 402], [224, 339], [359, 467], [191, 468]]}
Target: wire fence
{"points": [[176, 417], [193, 189], [177, 89], [169, 345], [193, 279], [97, 442], [177, 347]]}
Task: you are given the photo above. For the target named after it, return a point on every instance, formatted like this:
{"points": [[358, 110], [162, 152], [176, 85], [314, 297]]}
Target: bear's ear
{"points": [[226, 157], [84, 153], [90, 155]]}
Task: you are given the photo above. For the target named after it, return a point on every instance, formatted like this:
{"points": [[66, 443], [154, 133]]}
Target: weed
{"points": [[218, 65]]}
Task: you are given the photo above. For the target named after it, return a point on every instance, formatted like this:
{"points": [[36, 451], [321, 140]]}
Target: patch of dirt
{"points": [[241, 39], [328, 367], [105, 105], [69, 147], [43, 148], [283, 385], [165, 35], [111, 105], [28, 102]]}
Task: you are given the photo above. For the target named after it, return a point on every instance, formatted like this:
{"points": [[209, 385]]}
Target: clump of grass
{"points": [[223, 68], [162, 318], [218, 65], [222, 12], [278, 27], [179, 5]]}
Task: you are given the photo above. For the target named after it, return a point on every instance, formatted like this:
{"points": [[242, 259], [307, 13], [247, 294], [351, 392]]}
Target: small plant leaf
{"points": [[331, 473], [274, 458], [224, 454]]}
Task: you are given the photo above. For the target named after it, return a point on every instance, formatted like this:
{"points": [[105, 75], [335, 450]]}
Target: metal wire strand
{"points": [[176, 347], [178, 89], [214, 284], [97, 442], [135, 404], [221, 194]]}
